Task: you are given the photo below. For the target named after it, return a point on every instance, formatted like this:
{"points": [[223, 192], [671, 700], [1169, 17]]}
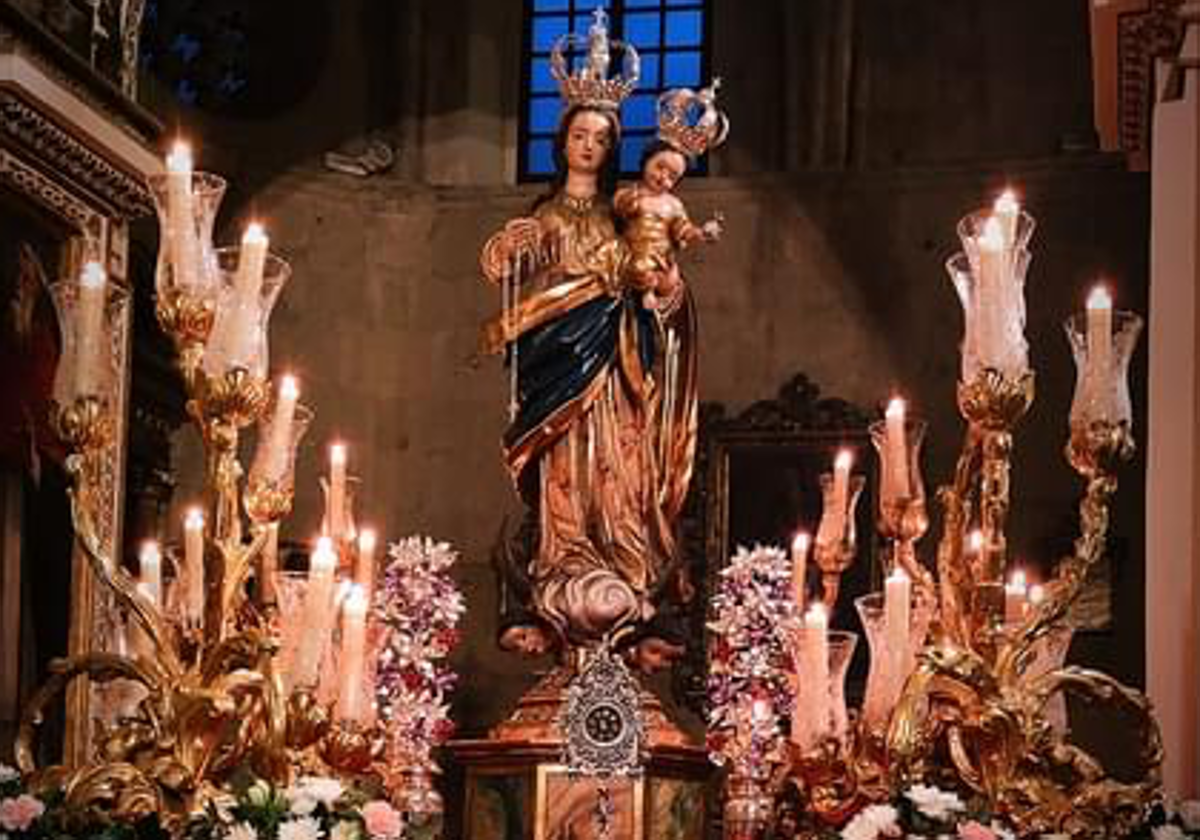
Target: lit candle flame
{"points": [[179, 160]]}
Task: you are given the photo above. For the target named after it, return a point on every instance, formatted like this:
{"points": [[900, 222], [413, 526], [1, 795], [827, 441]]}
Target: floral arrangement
{"points": [[314, 808], [418, 609], [925, 812], [1172, 821], [749, 685]]}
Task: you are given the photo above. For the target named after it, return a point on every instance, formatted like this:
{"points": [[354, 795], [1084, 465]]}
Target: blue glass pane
{"points": [[642, 29], [540, 80], [684, 29], [649, 4], [649, 78], [543, 114], [631, 151], [684, 2], [682, 68], [639, 111], [546, 30], [552, 5], [541, 156]]}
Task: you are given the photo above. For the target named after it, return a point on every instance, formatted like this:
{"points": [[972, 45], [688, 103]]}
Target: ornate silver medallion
{"points": [[602, 720]]}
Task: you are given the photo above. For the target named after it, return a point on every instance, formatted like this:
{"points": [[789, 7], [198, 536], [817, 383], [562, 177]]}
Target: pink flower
{"points": [[382, 820], [972, 830], [19, 812]]}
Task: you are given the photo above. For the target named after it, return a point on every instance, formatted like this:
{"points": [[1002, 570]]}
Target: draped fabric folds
{"points": [[605, 428]]}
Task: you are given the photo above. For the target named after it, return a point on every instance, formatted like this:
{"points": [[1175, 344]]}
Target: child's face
{"points": [[663, 171]]}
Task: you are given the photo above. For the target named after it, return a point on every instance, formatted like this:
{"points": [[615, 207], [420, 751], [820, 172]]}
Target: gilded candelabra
{"points": [[212, 700], [970, 713]]}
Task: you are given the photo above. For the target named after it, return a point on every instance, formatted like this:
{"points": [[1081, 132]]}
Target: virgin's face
{"points": [[589, 139]]}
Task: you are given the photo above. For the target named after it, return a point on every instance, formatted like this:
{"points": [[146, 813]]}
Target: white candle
{"points": [[90, 331], [279, 440], [1037, 594], [193, 563], [1098, 370], [245, 307], [897, 611], [150, 571], [317, 615], [181, 232], [990, 299], [895, 467], [335, 515], [816, 669], [1015, 594], [364, 570], [841, 490], [800, 546], [1007, 210], [251, 259], [354, 634]]}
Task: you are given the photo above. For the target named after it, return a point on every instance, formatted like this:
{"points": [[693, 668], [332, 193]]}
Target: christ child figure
{"points": [[655, 222]]}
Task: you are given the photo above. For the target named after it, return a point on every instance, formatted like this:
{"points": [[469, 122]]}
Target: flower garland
{"points": [[418, 608], [749, 684]]}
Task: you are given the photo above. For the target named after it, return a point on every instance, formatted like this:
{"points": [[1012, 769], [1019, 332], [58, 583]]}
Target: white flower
{"points": [[1189, 813], [871, 822], [305, 828], [1002, 832], [934, 803], [302, 804], [345, 830], [1170, 831], [8, 774], [241, 831], [323, 790]]}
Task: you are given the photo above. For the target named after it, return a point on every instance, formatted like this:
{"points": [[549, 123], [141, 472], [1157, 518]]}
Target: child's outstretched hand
{"points": [[713, 228]]}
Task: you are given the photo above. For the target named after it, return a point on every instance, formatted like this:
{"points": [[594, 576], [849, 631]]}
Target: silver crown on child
{"points": [[590, 85], [690, 121]]}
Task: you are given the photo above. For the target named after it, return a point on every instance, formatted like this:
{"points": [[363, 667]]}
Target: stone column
{"points": [[1173, 469]]}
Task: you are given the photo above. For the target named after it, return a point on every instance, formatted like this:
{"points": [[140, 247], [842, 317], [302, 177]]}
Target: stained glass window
{"points": [[671, 37]]}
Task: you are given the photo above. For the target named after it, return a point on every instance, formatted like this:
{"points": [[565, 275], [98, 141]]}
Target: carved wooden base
{"points": [[516, 787]]}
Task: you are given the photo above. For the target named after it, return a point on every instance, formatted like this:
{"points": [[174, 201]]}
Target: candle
{"points": [[364, 570], [895, 468], [1015, 593], [816, 669], [279, 438], [800, 546], [1007, 210], [897, 611], [90, 338], [193, 563], [181, 231], [150, 571], [251, 259], [247, 285], [335, 513], [354, 632], [1037, 594], [990, 303], [317, 616], [1098, 369]]}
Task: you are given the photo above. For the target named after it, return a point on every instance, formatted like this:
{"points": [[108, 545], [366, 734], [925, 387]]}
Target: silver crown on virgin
{"points": [[690, 121], [590, 84]]}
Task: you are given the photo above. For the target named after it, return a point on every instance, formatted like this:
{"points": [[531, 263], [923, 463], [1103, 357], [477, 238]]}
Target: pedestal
{"points": [[516, 788]]}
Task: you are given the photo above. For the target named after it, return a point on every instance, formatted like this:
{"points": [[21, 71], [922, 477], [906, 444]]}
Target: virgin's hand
{"points": [[521, 237]]}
